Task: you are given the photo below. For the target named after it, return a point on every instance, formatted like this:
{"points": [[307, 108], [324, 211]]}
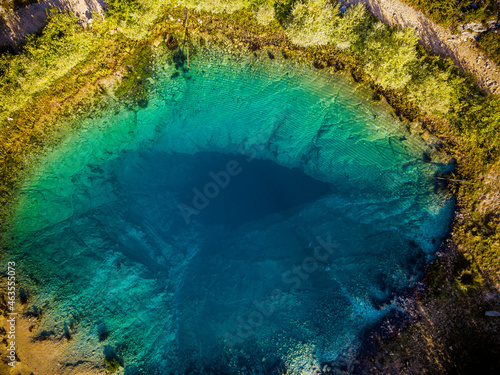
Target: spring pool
{"points": [[254, 216]]}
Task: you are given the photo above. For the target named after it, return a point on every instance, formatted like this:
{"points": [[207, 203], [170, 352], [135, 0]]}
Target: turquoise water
{"points": [[254, 216]]}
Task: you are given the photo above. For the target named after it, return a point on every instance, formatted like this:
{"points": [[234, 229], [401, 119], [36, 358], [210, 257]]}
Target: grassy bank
{"points": [[32, 123], [42, 85]]}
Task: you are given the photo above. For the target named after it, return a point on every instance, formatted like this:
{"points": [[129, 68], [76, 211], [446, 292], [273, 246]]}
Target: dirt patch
{"points": [[490, 203], [38, 351], [439, 40]]}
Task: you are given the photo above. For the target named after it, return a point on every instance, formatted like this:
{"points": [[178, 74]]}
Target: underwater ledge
{"points": [[393, 175]]}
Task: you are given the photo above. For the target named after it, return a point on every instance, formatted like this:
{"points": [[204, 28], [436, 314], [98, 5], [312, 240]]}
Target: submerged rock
{"points": [[172, 43]]}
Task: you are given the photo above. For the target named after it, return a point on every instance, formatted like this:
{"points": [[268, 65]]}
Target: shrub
{"points": [[429, 89], [133, 17], [479, 123], [449, 12], [12, 4], [123, 10], [112, 365], [389, 54], [351, 32], [313, 23], [283, 10], [265, 14]]}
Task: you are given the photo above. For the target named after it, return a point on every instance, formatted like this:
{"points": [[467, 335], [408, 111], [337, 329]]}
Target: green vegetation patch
{"points": [[215, 6], [135, 74], [489, 43], [112, 365]]}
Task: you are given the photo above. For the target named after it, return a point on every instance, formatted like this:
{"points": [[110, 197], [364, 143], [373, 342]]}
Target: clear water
{"points": [[256, 216]]}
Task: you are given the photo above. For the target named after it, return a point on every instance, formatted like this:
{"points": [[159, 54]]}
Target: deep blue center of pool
{"points": [[250, 190]]}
